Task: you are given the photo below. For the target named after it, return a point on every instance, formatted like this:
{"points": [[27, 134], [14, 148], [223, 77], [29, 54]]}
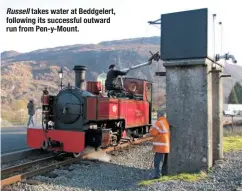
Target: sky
{"points": [[130, 21]]}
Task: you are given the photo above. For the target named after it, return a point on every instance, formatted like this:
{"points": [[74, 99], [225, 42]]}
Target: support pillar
{"points": [[217, 128], [189, 111]]}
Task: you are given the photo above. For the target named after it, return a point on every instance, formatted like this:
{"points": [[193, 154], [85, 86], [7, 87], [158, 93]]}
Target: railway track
{"points": [[19, 155], [23, 171]]}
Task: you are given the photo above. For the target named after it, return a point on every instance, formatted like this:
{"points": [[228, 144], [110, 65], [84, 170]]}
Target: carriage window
{"points": [[148, 90]]}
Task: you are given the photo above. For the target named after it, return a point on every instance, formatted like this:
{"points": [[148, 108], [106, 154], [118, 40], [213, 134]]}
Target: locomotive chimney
{"points": [[80, 75]]}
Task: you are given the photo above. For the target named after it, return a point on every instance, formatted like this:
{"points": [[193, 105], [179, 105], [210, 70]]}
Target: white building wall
{"points": [[237, 108]]}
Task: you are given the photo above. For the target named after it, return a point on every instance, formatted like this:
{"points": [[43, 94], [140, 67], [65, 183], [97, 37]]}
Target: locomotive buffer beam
{"points": [[56, 144]]}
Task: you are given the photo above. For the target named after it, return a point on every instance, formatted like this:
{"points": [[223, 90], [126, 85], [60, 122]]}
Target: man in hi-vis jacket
{"points": [[161, 142]]}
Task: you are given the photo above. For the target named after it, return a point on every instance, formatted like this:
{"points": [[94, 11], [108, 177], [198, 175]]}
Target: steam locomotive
{"points": [[84, 115]]}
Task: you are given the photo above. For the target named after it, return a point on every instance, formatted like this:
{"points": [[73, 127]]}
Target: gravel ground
{"points": [[126, 169]]}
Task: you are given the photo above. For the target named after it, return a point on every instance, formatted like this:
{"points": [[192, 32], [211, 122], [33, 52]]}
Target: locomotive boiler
{"points": [[84, 115]]}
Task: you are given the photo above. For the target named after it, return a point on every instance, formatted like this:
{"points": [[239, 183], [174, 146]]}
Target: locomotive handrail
{"points": [[69, 87]]}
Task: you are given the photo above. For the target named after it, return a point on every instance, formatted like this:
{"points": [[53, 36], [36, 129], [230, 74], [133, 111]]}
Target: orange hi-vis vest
{"points": [[161, 134]]}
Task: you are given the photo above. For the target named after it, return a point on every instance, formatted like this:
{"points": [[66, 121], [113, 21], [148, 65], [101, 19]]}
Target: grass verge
{"points": [[231, 143], [183, 176]]}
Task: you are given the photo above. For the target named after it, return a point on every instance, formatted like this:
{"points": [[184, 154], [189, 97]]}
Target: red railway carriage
{"points": [[79, 117]]}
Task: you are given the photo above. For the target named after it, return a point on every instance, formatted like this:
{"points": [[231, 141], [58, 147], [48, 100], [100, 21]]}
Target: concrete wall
{"points": [[189, 110]]}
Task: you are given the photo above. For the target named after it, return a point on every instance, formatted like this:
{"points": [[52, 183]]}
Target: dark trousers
{"points": [[160, 160], [31, 120]]}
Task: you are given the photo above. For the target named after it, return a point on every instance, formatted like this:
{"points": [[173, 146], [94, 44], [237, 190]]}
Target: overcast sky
{"points": [[130, 21]]}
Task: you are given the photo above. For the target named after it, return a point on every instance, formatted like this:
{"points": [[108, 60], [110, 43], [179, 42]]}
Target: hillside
{"points": [[7, 54], [24, 75]]}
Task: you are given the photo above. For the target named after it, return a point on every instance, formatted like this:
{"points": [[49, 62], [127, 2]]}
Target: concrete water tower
{"points": [[193, 89]]}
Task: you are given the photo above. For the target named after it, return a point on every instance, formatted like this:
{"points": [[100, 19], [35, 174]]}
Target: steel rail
{"points": [[18, 155], [25, 165]]}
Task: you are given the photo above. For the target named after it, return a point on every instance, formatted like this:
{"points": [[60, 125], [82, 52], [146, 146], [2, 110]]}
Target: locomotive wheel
{"points": [[119, 135], [44, 145], [76, 155], [120, 130]]}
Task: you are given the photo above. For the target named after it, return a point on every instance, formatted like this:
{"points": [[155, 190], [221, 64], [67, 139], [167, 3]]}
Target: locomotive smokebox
{"points": [[80, 76]]}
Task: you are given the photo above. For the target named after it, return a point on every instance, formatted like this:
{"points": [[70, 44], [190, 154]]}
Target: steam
{"points": [[97, 155]]}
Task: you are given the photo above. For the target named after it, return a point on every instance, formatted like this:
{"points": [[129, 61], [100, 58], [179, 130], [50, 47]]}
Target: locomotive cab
{"points": [[138, 89], [141, 89]]}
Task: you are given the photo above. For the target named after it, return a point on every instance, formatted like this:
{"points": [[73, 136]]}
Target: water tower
{"points": [[193, 89]]}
